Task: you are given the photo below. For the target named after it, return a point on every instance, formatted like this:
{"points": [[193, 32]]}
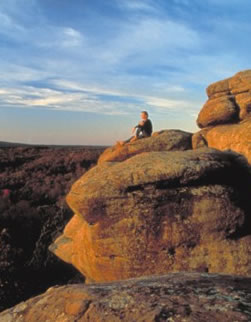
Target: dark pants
{"points": [[139, 135]]}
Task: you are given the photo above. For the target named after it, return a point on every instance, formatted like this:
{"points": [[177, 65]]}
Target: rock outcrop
{"points": [[155, 207], [175, 297], [235, 137], [159, 212], [167, 140], [226, 116], [229, 100]]}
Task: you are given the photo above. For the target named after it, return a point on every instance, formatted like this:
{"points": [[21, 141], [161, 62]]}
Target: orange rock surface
{"points": [[167, 140], [217, 111], [224, 129], [229, 101], [133, 219], [235, 137]]}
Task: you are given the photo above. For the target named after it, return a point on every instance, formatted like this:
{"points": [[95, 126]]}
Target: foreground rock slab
{"points": [[160, 212], [186, 297]]}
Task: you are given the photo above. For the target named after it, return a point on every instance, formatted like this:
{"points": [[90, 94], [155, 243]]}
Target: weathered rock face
{"points": [[217, 111], [159, 212], [175, 297], [167, 140], [229, 101], [226, 116], [235, 137]]}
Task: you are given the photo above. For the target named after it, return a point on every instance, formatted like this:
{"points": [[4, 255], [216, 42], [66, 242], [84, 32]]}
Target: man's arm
{"points": [[136, 127]]}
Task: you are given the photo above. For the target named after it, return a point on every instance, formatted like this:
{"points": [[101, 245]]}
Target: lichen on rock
{"points": [[173, 297]]}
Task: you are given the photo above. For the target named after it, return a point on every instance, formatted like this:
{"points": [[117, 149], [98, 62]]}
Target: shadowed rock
{"points": [[159, 212], [190, 297]]}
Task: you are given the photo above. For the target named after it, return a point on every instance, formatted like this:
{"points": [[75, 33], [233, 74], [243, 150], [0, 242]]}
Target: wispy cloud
{"points": [[138, 5], [69, 96], [9, 27], [32, 97], [119, 57], [18, 74], [59, 38], [149, 41], [73, 38]]}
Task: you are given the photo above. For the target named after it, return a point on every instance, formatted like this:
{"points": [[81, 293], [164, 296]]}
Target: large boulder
{"points": [[166, 140], [225, 118], [229, 101], [235, 137], [218, 110], [160, 212], [218, 89], [174, 297]]}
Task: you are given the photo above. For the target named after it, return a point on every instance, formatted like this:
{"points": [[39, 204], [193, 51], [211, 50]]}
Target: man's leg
{"points": [[129, 140], [139, 135], [136, 137], [138, 132], [124, 142], [142, 135]]}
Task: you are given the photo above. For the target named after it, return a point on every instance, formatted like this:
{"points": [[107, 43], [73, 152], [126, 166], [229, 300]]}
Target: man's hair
{"points": [[145, 112]]}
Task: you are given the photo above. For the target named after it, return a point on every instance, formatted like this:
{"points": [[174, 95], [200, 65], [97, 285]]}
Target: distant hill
{"points": [[14, 144], [11, 144]]}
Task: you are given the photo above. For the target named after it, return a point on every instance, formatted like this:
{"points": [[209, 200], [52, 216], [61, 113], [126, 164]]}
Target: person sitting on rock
{"points": [[143, 129]]}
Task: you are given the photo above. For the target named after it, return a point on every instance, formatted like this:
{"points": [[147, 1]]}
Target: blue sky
{"points": [[80, 71]]}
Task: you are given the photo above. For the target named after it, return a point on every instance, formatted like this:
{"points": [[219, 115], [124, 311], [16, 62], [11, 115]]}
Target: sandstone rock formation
{"points": [[235, 137], [229, 100], [155, 207], [159, 212], [226, 116], [190, 297], [219, 110], [167, 140]]}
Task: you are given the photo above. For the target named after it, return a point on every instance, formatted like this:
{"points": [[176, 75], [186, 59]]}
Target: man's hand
{"points": [[133, 129]]}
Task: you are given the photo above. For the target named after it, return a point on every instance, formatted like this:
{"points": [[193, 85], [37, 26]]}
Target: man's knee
{"points": [[144, 134], [138, 133]]}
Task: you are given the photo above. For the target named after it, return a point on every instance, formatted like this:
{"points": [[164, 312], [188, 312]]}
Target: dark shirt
{"points": [[146, 127]]}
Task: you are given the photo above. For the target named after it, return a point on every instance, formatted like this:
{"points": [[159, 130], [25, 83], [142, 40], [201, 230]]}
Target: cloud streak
{"points": [[119, 57], [74, 97]]}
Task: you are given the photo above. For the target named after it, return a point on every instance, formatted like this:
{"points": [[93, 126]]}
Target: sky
{"points": [[80, 71]]}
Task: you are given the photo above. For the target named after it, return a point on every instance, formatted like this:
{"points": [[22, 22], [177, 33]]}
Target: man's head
{"points": [[144, 115]]}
